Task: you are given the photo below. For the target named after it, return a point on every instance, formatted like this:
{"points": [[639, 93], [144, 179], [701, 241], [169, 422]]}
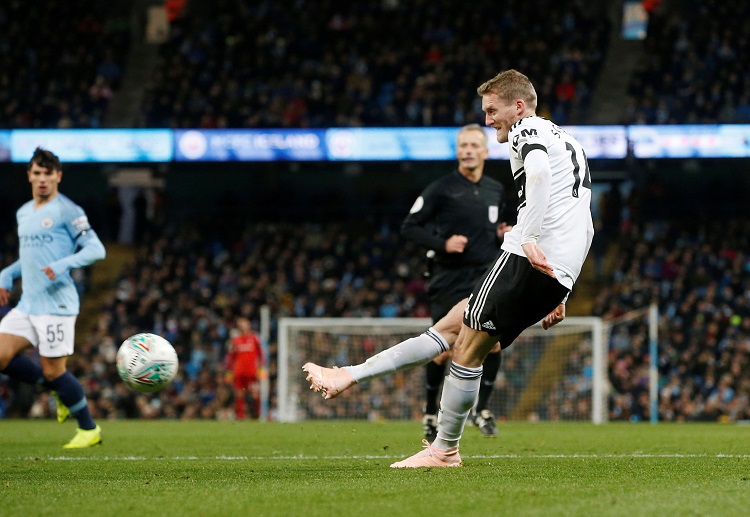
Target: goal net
{"points": [[558, 374]]}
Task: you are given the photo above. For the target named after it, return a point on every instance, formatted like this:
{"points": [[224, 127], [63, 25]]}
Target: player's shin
{"points": [[407, 354], [459, 396], [71, 394]]}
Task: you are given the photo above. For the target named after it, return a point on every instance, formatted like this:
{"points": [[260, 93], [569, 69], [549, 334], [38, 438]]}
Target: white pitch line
{"points": [[304, 457]]}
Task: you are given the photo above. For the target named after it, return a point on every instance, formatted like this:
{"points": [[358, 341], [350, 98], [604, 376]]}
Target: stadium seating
{"points": [[700, 281], [270, 64], [60, 63], [694, 68]]}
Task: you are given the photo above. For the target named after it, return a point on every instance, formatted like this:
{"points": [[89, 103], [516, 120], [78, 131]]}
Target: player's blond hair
{"points": [[509, 86], [474, 127]]}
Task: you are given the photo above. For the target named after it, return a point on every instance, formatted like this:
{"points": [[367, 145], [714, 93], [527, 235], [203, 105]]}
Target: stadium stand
{"points": [[700, 280], [232, 64], [60, 62], [694, 68], [271, 64]]}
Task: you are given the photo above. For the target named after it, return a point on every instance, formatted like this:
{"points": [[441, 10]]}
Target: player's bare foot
{"points": [[329, 381]]}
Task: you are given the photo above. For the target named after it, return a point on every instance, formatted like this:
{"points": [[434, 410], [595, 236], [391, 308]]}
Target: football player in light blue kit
{"points": [[54, 236]]}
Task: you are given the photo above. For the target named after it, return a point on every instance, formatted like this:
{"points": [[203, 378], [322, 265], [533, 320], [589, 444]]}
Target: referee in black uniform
{"points": [[460, 219]]}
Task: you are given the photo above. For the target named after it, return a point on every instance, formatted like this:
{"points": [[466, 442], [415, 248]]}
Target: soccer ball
{"points": [[146, 362]]}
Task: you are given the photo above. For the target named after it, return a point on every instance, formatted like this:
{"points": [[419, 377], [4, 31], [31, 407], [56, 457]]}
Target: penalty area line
{"points": [[306, 457]]}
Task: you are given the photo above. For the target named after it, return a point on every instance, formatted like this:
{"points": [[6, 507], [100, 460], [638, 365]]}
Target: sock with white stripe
{"points": [[460, 391], [407, 354], [71, 394]]}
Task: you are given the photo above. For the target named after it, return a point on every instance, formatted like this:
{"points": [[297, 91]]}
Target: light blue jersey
{"points": [[49, 236]]}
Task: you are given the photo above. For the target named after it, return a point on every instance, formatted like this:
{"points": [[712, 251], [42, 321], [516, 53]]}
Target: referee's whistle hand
{"points": [[456, 244]]}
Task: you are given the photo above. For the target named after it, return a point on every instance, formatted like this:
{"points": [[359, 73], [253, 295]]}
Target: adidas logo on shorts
{"points": [[488, 325]]}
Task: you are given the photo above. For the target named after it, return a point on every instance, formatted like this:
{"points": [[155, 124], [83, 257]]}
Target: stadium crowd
{"points": [[700, 280], [694, 68], [190, 289], [224, 61], [391, 63], [60, 62]]}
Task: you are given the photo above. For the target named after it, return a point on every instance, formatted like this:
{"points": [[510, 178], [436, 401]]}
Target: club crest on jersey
{"points": [[417, 206], [47, 223], [493, 213]]}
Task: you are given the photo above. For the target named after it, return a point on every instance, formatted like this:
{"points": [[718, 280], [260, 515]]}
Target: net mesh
{"points": [[545, 375], [629, 380]]}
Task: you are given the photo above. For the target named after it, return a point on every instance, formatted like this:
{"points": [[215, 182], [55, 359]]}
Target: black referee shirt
{"points": [[453, 205]]}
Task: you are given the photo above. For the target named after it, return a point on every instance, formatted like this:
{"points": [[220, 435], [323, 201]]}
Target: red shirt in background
{"points": [[245, 355]]}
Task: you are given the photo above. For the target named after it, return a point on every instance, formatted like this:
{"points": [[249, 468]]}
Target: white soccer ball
{"points": [[147, 362]]}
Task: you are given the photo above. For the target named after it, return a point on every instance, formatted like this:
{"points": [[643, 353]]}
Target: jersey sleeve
{"points": [[75, 221], [418, 226], [530, 145], [9, 274], [80, 231]]}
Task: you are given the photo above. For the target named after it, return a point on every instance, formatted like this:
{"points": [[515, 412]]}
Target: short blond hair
{"points": [[474, 127], [509, 86]]}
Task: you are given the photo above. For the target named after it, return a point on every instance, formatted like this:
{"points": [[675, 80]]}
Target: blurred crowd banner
{"points": [[95, 145], [355, 144]]}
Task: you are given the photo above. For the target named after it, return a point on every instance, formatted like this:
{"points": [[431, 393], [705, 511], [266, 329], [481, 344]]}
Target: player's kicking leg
{"points": [[410, 353]]}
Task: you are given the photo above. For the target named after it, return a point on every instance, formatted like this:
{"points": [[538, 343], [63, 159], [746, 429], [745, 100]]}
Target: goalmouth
{"points": [[555, 375]]}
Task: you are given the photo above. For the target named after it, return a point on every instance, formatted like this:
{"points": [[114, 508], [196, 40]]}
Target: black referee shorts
{"points": [[511, 297], [450, 286]]}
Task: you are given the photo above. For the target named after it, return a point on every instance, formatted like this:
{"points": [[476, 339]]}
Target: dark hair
{"points": [[46, 159]]}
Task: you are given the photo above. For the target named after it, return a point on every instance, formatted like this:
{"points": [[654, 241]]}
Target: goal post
{"points": [[557, 374], [328, 341]]}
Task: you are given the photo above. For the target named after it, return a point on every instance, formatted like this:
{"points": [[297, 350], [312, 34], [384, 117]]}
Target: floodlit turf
{"points": [[341, 469]]}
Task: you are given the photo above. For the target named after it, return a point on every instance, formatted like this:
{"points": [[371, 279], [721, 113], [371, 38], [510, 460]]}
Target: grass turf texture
{"points": [[341, 468]]}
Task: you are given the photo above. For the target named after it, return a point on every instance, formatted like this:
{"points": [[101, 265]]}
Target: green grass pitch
{"points": [[340, 468]]}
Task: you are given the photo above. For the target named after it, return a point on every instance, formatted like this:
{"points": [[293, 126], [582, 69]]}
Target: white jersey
{"points": [[566, 226]]}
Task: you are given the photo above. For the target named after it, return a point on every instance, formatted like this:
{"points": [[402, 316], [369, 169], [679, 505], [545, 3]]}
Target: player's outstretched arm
{"points": [[7, 275], [91, 250]]}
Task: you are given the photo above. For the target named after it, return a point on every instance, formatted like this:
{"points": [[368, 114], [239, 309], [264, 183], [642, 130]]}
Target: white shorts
{"points": [[54, 336]]}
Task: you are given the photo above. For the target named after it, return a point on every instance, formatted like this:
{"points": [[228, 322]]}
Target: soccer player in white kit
{"points": [[530, 281], [54, 236]]}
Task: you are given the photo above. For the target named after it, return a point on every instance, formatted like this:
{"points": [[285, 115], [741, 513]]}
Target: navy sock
{"points": [[434, 376], [71, 394], [25, 370], [489, 374]]}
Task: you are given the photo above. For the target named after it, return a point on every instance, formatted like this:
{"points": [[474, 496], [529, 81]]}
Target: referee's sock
{"points": [[24, 369], [434, 376], [71, 394], [491, 367]]}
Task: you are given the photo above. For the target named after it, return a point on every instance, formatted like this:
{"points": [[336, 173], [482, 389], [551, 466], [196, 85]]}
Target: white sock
{"points": [[407, 354], [460, 391]]}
